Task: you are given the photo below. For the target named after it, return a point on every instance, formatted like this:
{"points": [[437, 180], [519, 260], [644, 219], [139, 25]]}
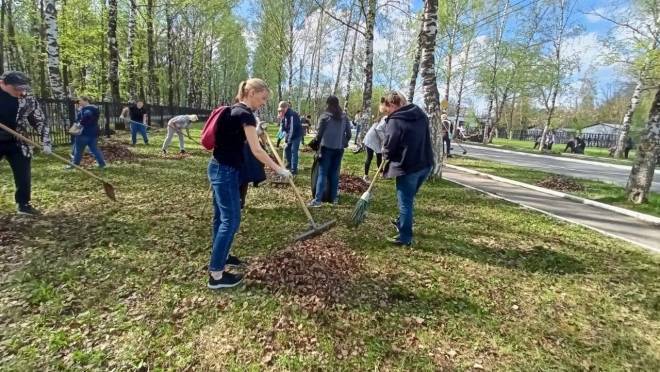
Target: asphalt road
{"points": [[606, 222], [612, 173]]}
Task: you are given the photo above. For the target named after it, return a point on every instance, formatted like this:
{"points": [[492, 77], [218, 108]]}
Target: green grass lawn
{"points": [[603, 192], [598, 154], [96, 285]]}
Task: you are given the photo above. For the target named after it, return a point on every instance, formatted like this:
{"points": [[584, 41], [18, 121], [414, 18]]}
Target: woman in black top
{"points": [[233, 129]]}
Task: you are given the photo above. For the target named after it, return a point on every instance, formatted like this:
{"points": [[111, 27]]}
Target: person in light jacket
{"points": [[373, 142]]}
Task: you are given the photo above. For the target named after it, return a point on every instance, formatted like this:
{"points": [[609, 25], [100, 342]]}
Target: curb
{"points": [[626, 212], [569, 159]]}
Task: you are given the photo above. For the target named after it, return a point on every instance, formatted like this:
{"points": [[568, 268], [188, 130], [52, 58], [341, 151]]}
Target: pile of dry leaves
{"points": [[317, 271], [352, 184], [112, 152], [560, 183]]}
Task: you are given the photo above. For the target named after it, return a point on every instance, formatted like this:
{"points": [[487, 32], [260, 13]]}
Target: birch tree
{"points": [[648, 151], [53, 50], [113, 52]]}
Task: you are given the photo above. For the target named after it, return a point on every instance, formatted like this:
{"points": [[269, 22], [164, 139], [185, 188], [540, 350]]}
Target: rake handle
{"points": [[373, 182], [31, 142], [293, 185]]}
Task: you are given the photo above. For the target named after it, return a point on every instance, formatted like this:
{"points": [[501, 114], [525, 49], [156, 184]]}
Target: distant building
{"points": [[602, 128]]}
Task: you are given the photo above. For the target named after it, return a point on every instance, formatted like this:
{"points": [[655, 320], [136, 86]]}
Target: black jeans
{"points": [[370, 156], [20, 166], [447, 143]]}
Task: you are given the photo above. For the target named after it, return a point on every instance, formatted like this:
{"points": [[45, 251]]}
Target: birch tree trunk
{"points": [[343, 51], [170, 58], [130, 50], [493, 84], [429, 81], [367, 90], [627, 120], [154, 95], [53, 50], [461, 84], [648, 151], [349, 78], [15, 52], [113, 52], [2, 37], [415, 67]]}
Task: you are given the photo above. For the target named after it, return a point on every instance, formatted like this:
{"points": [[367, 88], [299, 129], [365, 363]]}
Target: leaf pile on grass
{"points": [[352, 184], [112, 152], [317, 271], [560, 183], [306, 149]]}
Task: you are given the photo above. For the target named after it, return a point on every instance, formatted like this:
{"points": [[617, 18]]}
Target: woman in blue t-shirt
{"points": [[236, 127]]}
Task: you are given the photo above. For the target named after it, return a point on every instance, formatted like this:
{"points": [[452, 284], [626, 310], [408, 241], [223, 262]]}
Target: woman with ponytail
{"points": [[236, 127]]}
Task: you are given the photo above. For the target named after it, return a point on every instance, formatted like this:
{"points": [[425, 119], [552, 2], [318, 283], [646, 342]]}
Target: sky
{"points": [[586, 47]]}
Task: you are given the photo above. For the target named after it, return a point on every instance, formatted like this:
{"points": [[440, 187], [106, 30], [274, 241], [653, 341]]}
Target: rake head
{"points": [[316, 230], [109, 191]]}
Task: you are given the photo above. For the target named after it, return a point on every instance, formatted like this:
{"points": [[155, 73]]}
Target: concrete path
{"points": [[613, 173], [609, 223]]}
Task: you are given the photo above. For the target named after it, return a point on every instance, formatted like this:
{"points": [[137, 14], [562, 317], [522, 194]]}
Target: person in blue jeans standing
{"points": [[409, 150], [333, 136], [88, 117], [234, 128], [292, 127], [139, 117]]}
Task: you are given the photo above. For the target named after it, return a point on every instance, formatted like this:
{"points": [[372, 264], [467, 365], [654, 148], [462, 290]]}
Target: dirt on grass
{"points": [[560, 183], [318, 272]]}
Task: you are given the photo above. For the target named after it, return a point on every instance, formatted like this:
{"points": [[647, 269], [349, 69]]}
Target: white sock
{"points": [[217, 275]]}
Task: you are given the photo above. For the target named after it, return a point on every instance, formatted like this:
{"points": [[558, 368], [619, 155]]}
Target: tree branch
{"points": [[324, 10]]}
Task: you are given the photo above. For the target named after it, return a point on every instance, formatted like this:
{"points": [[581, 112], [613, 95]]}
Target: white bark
{"points": [[53, 50], [130, 50], [648, 151]]}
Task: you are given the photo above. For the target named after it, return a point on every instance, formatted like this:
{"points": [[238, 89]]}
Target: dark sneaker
{"points": [[396, 241], [233, 261], [28, 210], [182, 152], [164, 152], [395, 222], [228, 280]]}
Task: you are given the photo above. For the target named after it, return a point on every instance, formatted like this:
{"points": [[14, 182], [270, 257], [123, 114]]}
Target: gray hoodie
{"points": [[334, 132]]}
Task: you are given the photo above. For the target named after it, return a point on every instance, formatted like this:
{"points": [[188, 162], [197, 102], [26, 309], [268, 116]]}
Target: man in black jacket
{"points": [[19, 111], [410, 153]]}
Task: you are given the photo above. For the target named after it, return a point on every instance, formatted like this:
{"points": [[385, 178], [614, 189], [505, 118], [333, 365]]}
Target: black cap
{"points": [[17, 79]]}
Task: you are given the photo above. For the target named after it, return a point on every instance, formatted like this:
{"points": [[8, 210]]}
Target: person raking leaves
{"points": [[234, 127], [18, 111]]}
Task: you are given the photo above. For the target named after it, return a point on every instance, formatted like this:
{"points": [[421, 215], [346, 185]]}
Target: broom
{"points": [[360, 211]]}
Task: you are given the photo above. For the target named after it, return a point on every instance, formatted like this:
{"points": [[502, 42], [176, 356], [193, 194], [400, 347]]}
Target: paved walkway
{"points": [[613, 173], [609, 223]]}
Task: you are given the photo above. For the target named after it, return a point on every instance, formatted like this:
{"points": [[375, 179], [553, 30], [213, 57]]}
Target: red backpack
{"points": [[208, 132]]}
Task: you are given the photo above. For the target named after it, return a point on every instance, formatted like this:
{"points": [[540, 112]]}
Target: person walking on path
{"points": [[410, 154], [18, 111], [176, 125], [236, 126], [373, 142], [88, 117], [446, 134], [333, 136], [294, 133]]}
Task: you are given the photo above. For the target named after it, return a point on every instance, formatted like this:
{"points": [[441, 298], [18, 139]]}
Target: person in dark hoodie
{"points": [[88, 117], [294, 133], [409, 151], [333, 136]]}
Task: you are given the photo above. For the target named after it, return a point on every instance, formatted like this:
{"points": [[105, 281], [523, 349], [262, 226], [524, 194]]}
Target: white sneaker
{"points": [[365, 178]]}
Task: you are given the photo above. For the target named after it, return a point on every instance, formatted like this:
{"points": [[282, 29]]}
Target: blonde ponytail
{"points": [[253, 84]]}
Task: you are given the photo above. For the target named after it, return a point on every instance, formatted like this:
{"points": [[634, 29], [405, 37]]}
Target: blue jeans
{"points": [[142, 129], [87, 141], [407, 187], [227, 211], [357, 133], [291, 153], [329, 165]]}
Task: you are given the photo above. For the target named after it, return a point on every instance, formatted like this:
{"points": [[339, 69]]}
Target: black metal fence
{"points": [[591, 139], [60, 114]]}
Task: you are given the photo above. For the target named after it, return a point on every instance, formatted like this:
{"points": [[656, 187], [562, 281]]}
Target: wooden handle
{"points": [[373, 182], [293, 185], [31, 142]]}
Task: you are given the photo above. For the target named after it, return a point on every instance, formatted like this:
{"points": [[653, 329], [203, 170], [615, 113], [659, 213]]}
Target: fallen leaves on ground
{"points": [[112, 152], [352, 184], [560, 183], [318, 271]]}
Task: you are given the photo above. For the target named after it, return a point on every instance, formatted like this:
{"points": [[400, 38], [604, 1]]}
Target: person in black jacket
{"points": [[410, 154]]}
